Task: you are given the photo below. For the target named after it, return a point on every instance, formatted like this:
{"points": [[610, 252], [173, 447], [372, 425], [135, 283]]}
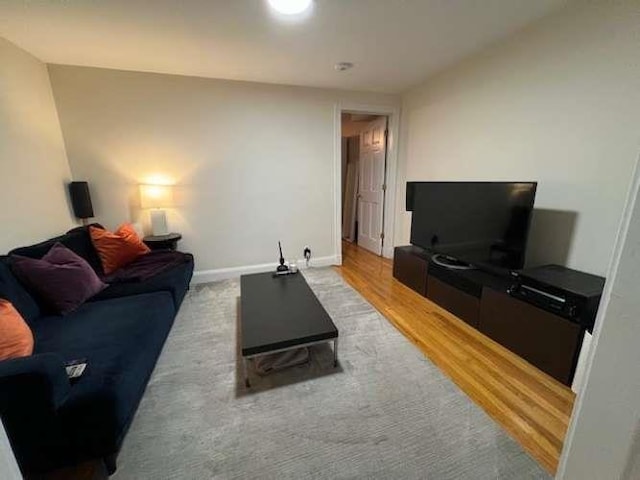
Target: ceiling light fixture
{"points": [[290, 7], [342, 66]]}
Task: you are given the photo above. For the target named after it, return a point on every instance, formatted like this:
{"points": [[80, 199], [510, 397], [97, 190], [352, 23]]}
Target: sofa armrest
{"points": [[32, 389], [38, 381]]}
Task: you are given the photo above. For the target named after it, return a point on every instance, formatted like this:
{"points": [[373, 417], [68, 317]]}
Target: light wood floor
{"points": [[530, 405]]}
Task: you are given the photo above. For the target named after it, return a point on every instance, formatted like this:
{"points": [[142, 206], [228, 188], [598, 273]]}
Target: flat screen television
{"points": [[479, 223]]}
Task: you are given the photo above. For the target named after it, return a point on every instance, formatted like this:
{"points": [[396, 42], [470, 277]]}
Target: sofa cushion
{"points": [[148, 266], [11, 289], [61, 278], [121, 340], [117, 249], [174, 279], [76, 239], [16, 339]]}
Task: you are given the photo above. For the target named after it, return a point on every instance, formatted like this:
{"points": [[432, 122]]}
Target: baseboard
{"points": [[387, 252], [206, 276]]}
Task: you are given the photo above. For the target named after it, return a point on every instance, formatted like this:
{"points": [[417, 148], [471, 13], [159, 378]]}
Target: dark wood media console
{"points": [[550, 342], [410, 266]]}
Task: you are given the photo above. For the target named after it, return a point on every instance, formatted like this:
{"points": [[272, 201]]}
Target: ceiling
{"points": [[395, 44]]}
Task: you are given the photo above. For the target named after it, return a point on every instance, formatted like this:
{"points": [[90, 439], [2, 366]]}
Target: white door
{"points": [[371, 187]]}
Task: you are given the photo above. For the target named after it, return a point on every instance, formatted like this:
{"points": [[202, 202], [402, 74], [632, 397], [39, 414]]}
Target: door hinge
{"points": [[384, 187], [382, 236]]}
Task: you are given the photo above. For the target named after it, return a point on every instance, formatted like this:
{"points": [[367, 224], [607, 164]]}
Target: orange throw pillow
{"points": [[16, 339], [119, 248]]}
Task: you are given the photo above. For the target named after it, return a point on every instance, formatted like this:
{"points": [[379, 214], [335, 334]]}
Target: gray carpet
{"points": [[386, 413]]}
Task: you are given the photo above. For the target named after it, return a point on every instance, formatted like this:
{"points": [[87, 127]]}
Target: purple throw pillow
{"points": [[61, 278]]}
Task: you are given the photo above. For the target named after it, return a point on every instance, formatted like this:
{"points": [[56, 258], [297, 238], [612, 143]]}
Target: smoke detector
{"points": [[342, 66]]}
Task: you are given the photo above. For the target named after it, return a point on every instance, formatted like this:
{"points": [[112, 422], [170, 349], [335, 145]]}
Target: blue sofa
{"points": [[52, 423]]}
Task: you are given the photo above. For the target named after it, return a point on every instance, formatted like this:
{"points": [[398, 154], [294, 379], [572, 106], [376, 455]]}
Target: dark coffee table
{"points": [[281, 313]]}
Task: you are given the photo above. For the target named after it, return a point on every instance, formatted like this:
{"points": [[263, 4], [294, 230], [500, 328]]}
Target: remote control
{"points": [[75, 368]]}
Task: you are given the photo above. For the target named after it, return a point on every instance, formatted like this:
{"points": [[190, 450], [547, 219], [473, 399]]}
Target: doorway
{"points": [[364, 144]]}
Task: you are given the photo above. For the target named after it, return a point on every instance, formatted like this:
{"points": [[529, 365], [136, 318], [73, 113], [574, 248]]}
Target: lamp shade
{"points": [[156, 196]]}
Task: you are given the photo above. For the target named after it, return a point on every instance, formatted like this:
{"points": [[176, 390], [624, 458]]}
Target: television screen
{"points": [[474, 222]]}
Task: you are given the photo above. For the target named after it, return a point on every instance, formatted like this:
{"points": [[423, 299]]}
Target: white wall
{"points": [[603, 440], [558, 102], [254, 163], [33, 163]]}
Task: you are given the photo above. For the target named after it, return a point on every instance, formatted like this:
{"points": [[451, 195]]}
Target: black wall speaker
{"points": [[409, 198], [81, 199]]}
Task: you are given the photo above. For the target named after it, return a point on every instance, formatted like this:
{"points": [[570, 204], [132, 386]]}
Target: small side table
{"points": [[162, 242]]}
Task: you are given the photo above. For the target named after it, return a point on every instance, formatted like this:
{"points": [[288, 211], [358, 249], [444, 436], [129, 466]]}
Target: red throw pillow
{"points": [[119, 248], [16, 339]]}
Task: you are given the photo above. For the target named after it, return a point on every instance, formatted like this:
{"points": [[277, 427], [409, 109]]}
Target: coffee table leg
{"points": [[335, 352], [245, 368]]}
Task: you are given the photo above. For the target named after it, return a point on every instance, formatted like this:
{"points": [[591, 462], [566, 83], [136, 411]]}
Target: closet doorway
{"points": [[364, 165]]}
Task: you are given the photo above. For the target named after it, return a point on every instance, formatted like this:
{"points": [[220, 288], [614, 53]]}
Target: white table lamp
{"points": [[157, 197]]}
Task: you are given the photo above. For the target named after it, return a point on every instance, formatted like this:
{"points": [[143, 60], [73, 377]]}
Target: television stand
{"points": [[480, 298], [450, 262]]}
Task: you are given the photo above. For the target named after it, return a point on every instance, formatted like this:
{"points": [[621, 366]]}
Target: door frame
{"points": [[393, 126]]}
